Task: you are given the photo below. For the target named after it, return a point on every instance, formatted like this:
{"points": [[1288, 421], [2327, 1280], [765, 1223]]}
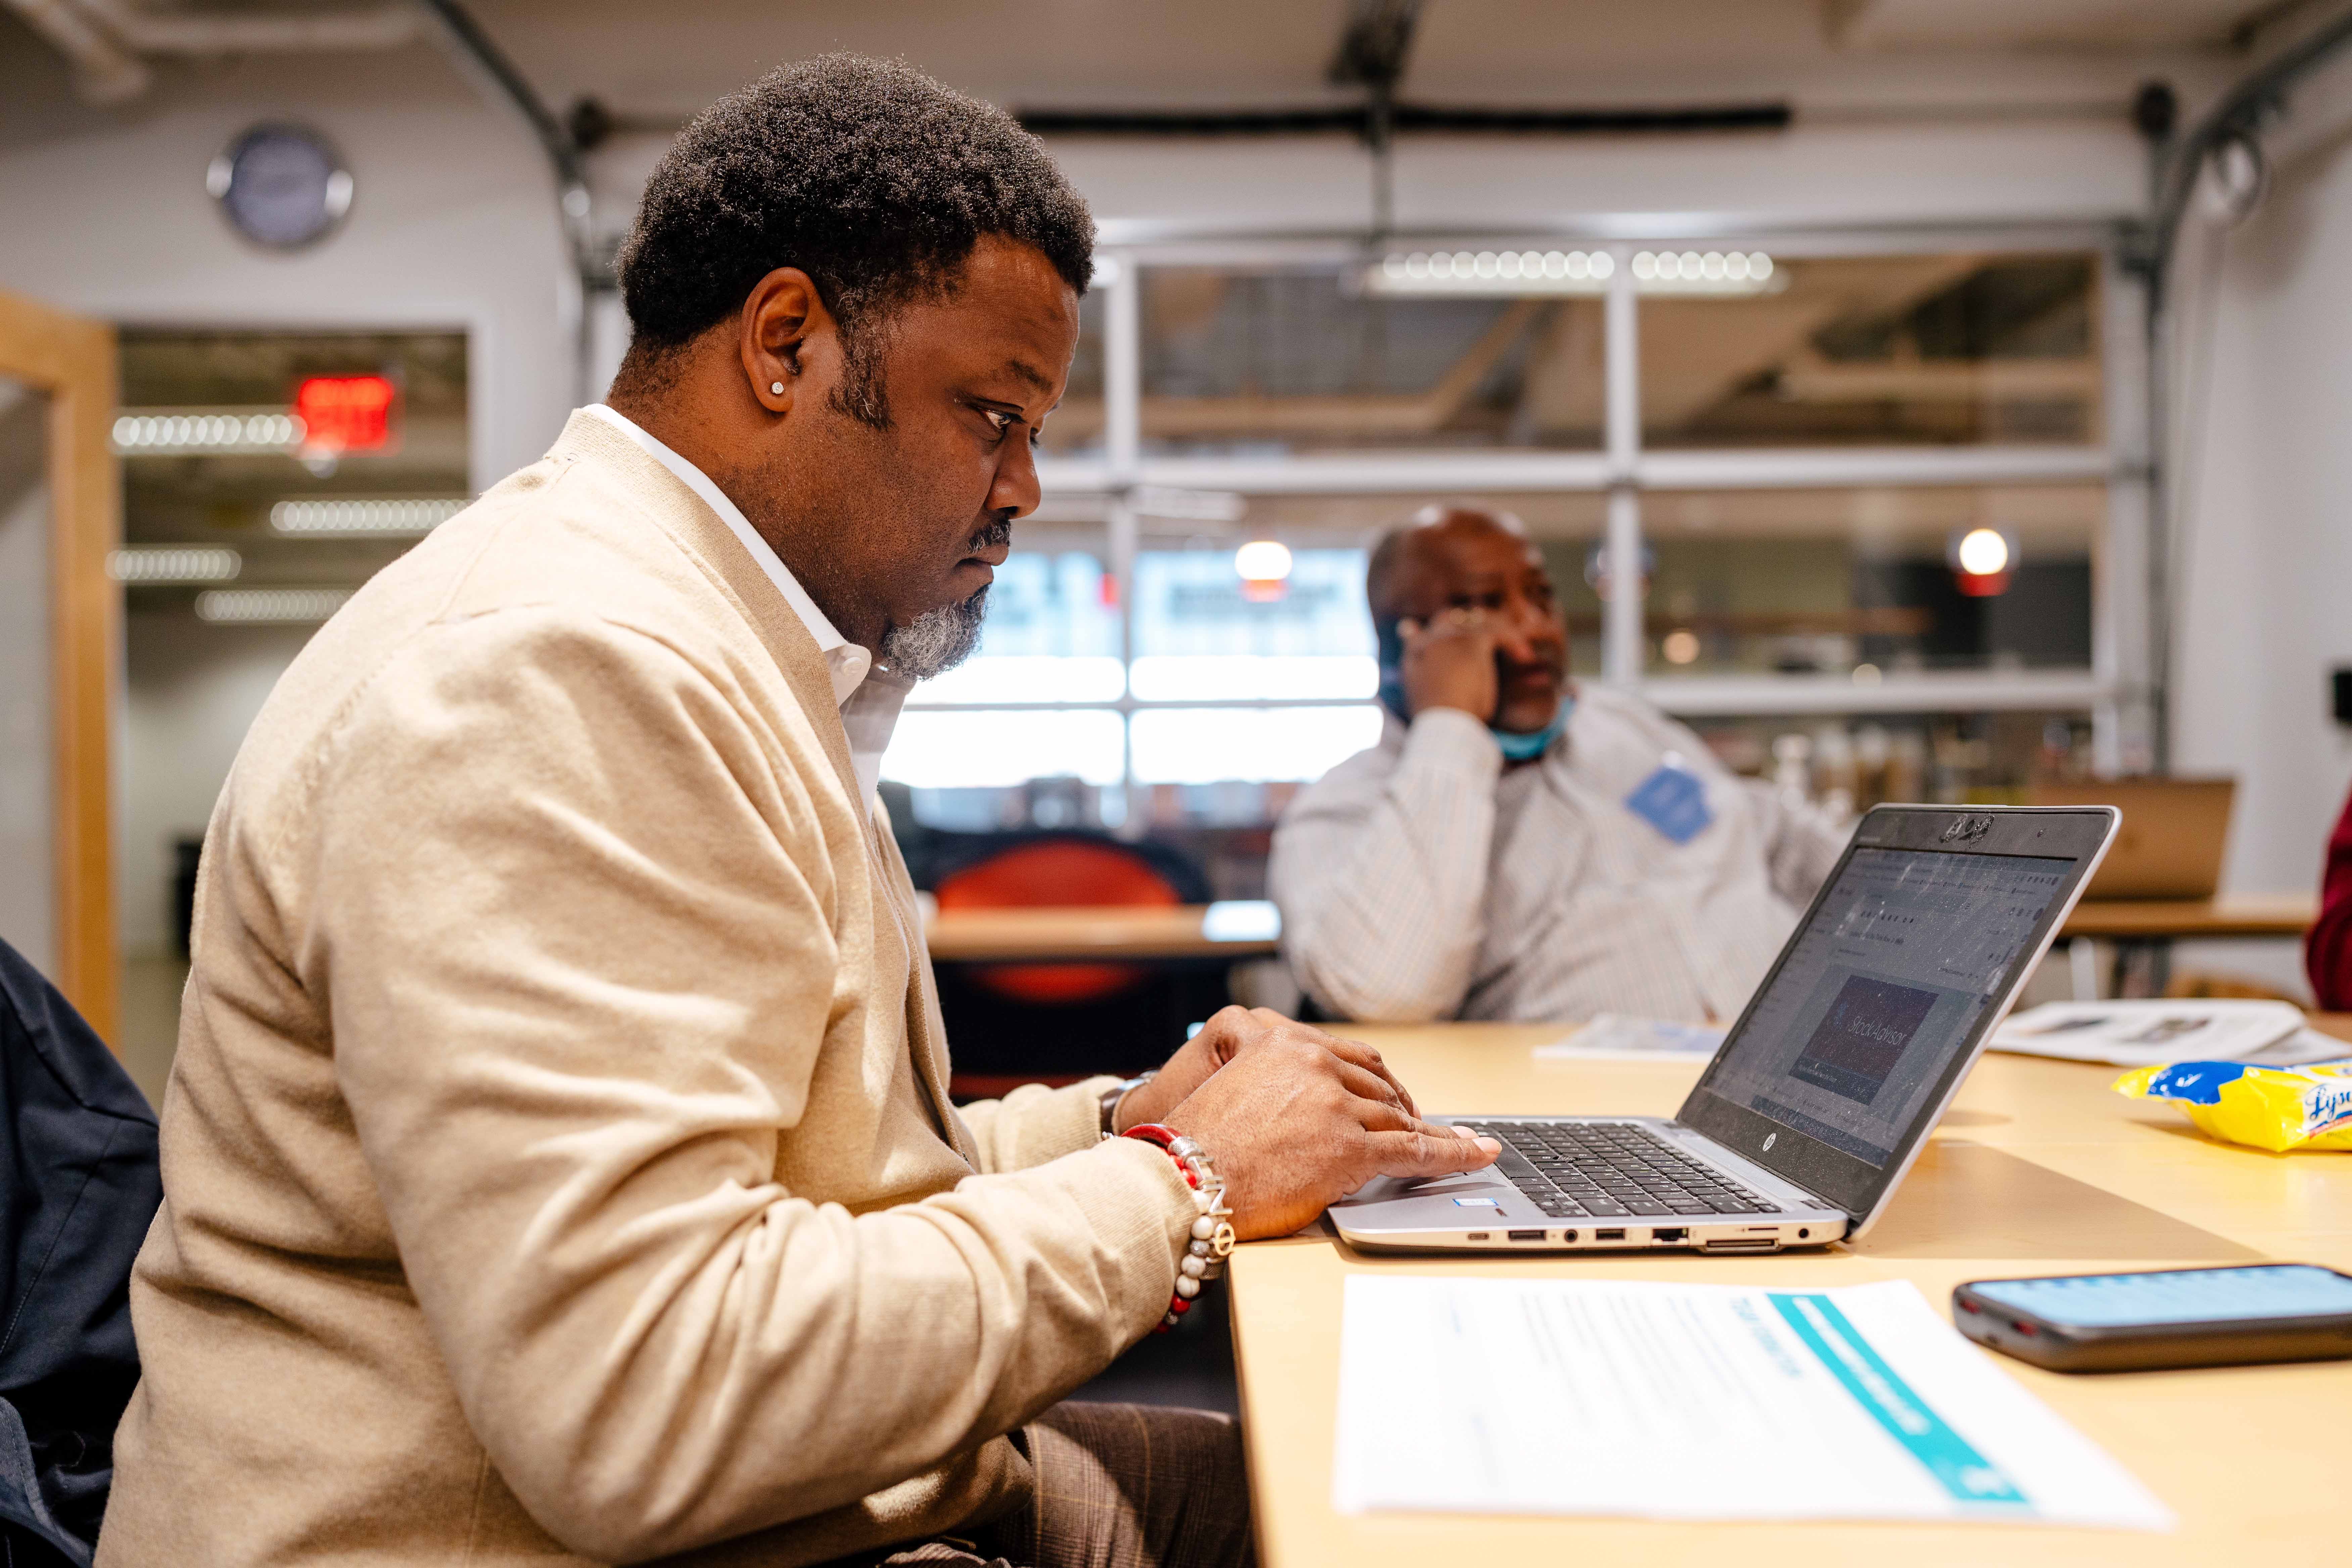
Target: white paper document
{"points": [[1698, 1402], [2147, 1032], [1621, 1036], [2300, 1050]]}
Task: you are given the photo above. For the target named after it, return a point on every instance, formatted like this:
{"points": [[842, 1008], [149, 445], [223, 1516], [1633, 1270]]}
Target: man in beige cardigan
{"points": [[557, 1161]]}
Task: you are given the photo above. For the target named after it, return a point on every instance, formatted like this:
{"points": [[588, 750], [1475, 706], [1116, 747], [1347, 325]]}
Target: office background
{"points": [[1882, 294]]}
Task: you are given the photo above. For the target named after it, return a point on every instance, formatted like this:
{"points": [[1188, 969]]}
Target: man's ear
{"points": [[787, 333]]}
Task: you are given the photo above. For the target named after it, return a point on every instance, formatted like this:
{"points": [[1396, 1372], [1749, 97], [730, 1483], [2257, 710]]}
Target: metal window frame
{"points": [[2114, 689]]}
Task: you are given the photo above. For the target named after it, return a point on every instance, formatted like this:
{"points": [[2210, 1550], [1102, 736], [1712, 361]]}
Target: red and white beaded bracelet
{"points": [[1212, 1229]]}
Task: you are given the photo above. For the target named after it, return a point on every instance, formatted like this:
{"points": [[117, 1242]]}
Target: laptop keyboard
{"points": [[1608, 1169]]}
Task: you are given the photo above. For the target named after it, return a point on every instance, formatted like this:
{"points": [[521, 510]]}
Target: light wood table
{"points": [[2039, 1169], [1101, 934], [2245, 914]]}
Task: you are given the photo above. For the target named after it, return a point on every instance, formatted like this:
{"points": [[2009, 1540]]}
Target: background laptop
{"points": [[2170, 844], [1823, 1092]]}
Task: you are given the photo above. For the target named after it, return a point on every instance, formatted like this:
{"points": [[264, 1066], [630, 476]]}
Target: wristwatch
{"points": [[1117, 1093]]}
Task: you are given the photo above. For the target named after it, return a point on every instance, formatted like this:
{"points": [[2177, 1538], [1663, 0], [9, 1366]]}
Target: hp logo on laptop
{"points": [[1770, 1139], [1967, 829]]}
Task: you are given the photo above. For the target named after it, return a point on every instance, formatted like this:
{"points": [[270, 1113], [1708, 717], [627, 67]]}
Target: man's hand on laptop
{"points": [[1296, 1120], [1227, 1034]]}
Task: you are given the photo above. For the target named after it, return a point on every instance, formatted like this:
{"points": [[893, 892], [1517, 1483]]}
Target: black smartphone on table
{"points": [[2168, 1318]]}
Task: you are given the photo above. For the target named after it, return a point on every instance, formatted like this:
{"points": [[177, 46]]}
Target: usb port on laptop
{"points": [[1526, 1234]]}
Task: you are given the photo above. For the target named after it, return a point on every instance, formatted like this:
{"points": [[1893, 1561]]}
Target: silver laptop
{"points": [[1824, 1091]]}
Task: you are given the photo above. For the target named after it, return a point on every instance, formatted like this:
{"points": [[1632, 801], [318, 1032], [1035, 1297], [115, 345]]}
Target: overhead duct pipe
{"points": [[1424, 119], [104, 39], [481, 56], [186, 33], [104, 71]]}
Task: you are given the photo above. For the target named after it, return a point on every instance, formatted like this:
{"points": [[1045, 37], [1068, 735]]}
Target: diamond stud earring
{"points": [[776, 388]]}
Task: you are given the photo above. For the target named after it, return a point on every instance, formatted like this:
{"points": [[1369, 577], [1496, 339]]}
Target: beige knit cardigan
{"points": [[558, 1164]]}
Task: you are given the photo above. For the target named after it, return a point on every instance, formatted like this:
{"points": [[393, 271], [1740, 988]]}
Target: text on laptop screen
{"points": [[1903, 954]]}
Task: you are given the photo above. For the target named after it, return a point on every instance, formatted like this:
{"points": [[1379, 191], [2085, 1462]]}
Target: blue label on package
{"points": [[1674, 801]]}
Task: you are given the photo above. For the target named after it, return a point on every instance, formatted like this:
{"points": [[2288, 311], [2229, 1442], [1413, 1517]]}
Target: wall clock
{"points": [[280, 185]]}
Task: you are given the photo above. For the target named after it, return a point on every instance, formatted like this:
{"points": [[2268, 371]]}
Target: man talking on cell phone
{"points": [[558, 1164], [1517, 846]]}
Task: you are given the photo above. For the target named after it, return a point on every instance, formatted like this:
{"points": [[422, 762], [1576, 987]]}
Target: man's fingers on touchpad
{"points": [[1491, 1145], [1429, 1151]]}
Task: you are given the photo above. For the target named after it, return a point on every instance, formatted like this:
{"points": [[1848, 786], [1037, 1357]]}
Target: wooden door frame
{"points": [[73, 362]]}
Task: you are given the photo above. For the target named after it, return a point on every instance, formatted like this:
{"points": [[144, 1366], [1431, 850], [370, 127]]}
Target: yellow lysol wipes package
{"points": [[2276, 1108]]}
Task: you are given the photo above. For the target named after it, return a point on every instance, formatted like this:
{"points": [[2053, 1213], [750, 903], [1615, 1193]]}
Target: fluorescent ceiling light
{"points": [[1530, 273], [269, 604], [419, 515], [173, 564], [1448, 272], [1706, 272], [182, 431]]}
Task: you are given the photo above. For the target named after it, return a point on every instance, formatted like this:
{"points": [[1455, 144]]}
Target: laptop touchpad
{"points": [[1382, 1189]]}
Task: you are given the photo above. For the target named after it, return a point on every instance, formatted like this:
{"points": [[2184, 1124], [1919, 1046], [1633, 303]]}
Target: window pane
{"points": [[1216, 677], [1051, 636], [1209, 745], [938, 749], [1870, 581], [1194, 601], [1191, 603], [1269, 361], [1075, 428], [1855, 762], [1871, 351], [1202, 633]]}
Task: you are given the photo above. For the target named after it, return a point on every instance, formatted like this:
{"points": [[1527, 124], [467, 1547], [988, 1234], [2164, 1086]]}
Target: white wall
{"points": [[452, 222], [2265, 519], [453, 225], [194, 690]]}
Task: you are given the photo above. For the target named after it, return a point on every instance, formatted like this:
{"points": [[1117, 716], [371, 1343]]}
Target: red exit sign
{"points": [[346, 413]]}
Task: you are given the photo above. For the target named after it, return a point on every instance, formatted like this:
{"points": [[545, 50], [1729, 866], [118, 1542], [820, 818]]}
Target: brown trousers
{"points": [[1119, 1485]]}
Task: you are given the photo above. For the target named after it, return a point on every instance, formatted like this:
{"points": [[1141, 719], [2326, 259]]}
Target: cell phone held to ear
{"points": [[2168, 1318]]}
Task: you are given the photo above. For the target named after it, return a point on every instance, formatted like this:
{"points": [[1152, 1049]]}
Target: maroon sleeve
{"points": [[2328, 950]]}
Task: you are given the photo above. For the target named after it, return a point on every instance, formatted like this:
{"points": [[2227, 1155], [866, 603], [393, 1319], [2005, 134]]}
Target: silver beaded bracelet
{"points": [[1213, 1228]]}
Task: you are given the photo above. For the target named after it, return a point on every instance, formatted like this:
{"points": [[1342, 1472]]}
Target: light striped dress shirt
{"points": [[1420, 880]]}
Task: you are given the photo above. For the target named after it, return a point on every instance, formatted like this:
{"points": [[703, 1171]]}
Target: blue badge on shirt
{"points": [[1674, 801]]}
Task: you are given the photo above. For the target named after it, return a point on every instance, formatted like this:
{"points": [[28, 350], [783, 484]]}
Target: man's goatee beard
{"points": [[935, 641]]}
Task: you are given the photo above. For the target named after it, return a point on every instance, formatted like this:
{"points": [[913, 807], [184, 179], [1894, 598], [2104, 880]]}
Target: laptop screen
{"points": [[1905, 960], [1907, 951]]}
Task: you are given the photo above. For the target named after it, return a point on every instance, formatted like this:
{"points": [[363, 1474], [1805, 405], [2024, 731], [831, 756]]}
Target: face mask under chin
{"points": [[1526, 748]]}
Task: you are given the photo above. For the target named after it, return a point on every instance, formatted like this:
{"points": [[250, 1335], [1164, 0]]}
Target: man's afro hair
{"points": [[871, 177]]}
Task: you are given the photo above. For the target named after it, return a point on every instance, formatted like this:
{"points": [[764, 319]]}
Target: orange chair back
{"points": [[1057, 873]]}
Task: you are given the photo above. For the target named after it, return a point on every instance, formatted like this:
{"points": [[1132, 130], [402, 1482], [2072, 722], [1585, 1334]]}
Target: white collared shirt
{"points": [[869, 709], [1421, 880]]}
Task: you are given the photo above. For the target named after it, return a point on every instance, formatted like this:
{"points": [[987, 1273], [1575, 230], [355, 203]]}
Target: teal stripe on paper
{"points": [[1966, 1475]]}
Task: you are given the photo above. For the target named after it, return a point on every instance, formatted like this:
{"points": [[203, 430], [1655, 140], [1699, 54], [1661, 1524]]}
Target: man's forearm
{"points": [[1033, 1123]]}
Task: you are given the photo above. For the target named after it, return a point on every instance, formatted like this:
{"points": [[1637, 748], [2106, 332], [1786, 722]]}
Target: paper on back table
{"points": [[1481, 1396], [1625, 1037]]}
